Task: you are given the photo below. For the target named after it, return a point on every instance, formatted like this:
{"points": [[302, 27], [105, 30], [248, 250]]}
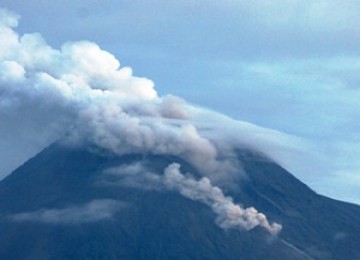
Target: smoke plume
{"points": [[229, 214], [81, 91], [81, 94]]}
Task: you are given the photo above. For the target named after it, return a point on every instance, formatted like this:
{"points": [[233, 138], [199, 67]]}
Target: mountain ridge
{"points": [[158, 224]]}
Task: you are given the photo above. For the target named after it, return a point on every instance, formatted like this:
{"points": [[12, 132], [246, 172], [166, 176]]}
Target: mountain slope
{"points": [[62, 204]]}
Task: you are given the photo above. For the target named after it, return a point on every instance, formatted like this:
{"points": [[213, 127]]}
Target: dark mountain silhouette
{"points": [[161, 224]]}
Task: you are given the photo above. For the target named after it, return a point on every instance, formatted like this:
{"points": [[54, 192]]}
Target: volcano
{"points": [[69, 203]]}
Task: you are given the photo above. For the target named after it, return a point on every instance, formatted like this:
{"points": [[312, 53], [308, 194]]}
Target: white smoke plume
{"points": [[229, 214], [93, 211], [81, 92]]}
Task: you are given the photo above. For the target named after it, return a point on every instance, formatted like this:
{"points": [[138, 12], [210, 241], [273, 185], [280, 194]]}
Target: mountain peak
{"points": [[88, 204]]}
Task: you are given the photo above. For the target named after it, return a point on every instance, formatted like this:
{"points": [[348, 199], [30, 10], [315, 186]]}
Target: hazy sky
{"points": [[292, 66]]}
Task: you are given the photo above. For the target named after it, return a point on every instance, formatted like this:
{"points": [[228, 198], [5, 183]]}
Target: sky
{"points": [[291, 66]]}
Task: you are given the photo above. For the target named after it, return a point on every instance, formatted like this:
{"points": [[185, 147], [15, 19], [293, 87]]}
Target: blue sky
{"points": [[292, 66]]}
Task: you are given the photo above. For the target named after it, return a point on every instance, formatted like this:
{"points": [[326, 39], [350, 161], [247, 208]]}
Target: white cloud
{"points": [[81, 90], [11, 71]]}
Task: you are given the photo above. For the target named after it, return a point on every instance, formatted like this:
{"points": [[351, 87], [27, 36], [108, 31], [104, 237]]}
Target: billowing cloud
{"points": [[80, 90], [288, 65], [93, 211], [80, 93]]}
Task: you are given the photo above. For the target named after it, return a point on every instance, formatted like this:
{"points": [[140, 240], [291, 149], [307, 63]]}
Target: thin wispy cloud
{"points": [[93, 211]]}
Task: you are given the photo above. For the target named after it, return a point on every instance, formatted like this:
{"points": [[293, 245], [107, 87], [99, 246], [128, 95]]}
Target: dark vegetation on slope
{"points": [[163, 224]]}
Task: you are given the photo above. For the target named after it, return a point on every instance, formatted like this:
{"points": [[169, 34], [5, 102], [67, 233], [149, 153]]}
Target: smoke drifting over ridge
{"points": [[81, 92]]}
